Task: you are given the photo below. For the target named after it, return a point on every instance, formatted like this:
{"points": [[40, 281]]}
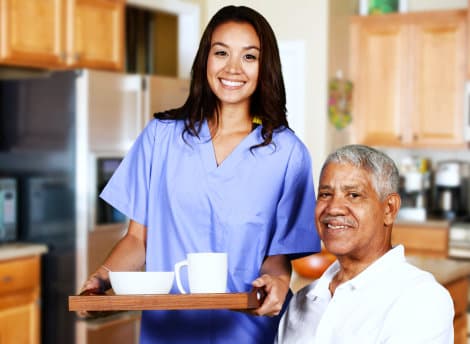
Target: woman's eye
{"points": [[220, 53], [354, 195], [250, 57]]}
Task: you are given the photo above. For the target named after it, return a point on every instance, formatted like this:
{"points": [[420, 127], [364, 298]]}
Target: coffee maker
{"points": [[451, 188]]}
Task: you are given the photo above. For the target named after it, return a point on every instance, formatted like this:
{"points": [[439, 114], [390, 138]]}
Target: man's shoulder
{"points": [[420, 285]]}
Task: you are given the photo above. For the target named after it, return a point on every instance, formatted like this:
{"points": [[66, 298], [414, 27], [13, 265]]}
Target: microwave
{"points": [[101, 214], [47, 206], [8, 209]]}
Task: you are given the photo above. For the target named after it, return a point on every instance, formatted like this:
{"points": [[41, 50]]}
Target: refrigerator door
{"points": [[113, 107], [163, 93]]}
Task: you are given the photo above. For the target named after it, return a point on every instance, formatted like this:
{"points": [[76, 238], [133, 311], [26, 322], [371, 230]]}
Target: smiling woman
{"points": [[222, 173], [233, 63]]}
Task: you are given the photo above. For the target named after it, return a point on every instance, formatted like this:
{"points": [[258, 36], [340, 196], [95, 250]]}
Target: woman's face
{"points": [[233, 63]]}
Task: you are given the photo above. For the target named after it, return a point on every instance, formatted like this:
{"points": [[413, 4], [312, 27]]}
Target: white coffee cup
{"points": [[207, 272]]}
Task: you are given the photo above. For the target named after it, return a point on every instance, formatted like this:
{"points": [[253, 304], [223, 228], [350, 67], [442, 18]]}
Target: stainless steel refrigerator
{"points": [[62, 134]]}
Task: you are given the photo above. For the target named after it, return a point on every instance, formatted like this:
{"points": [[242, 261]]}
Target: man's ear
{"points": [[392, 206]]}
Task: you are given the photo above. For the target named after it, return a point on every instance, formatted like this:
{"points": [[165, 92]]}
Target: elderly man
{"points": [[370, 294]]}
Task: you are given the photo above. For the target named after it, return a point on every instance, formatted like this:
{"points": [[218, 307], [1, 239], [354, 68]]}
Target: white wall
{"points": [[307, 21]]}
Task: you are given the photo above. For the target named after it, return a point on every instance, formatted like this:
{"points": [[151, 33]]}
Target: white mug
{"points": [[207, 272]]}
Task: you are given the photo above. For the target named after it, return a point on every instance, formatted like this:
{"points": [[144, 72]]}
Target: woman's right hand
{"points": [[95, 285]]}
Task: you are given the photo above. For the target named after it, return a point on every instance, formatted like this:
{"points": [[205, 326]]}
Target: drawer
{"points": [[424, 241], [19, 275], [458, 291]]}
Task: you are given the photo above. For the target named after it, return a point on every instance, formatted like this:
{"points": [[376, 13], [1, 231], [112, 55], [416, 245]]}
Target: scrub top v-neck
{"points": [[256, 203], [207, 151]]}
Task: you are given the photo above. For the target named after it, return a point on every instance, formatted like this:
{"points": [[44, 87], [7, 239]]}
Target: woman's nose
{"points": [[233, 65]]}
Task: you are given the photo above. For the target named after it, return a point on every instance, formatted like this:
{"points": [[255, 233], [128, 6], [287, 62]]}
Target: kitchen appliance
{"points": [[459, 240], [61, 137], [104, 213], [415, 189], [451, 183], [8, 206], [47, 204]]}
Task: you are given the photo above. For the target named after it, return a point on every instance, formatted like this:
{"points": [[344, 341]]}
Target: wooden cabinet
{"points": [[98, 34], [427, 239], [33, 33], [458, 290], [408, 72], [62, 33], [468, 41], [19, 300]]}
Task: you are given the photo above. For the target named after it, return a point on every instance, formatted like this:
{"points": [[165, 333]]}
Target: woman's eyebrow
{"points": [[244, 48]]}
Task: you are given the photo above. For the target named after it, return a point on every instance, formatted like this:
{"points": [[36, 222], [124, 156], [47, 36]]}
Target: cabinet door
{"points": [[98, 27], [20, 324], [378, 68], [438, 75], [32, 32]]}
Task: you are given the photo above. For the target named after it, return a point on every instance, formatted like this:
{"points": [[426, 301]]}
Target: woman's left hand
{"points": [[274, 280], [276, 289]]}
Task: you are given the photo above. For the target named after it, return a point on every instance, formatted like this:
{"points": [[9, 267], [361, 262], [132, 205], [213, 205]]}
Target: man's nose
{"points": [[336, 206]]}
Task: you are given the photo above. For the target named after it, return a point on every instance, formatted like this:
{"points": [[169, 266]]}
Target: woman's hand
{"points": [[127, 255], [95, 285], [275, 281], [276, 289]]}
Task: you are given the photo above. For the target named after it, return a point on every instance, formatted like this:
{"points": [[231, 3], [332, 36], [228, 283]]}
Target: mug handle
{"points": [[178, 267]]}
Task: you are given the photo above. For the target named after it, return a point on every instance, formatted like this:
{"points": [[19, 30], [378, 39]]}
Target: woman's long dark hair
{"points": [[268, 101]]}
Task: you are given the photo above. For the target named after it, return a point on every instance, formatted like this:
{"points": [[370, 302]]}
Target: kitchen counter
{"points": [[19, 250], [444, 270], [430, 222]]}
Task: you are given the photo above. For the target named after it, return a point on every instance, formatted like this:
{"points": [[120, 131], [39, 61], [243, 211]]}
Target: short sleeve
{"points": [[295, 233], [128, 188]]}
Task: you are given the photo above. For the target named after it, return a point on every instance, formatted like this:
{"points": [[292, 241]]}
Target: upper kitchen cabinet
{"points": [[33, 33], [409, 74], [468, 41], [59, 34], [98, 34]]}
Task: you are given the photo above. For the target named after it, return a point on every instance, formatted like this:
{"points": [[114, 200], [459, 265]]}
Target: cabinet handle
{"points": [[6, 279], [77, 57], [415, 137], [400, 138], [63, 56]]}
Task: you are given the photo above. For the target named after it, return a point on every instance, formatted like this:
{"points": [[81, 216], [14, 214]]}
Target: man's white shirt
{"points": [[391, 301]]}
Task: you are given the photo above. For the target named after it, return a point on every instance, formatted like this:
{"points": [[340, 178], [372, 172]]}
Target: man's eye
{"points": [[323, 195], [354, 195]]}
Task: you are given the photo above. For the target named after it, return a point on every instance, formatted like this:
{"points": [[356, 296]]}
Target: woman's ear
{"points": [[392, 206]]}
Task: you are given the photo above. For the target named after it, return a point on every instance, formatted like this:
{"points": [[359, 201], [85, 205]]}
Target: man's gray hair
{"points": [[384, 172]]}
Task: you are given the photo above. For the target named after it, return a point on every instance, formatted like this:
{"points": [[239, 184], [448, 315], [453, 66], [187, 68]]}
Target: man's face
{"points": [[349, 215]]}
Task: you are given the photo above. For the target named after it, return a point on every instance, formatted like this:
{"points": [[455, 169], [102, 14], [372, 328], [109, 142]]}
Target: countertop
{"points": [[19, 250], [444, 270], [430, 222]]}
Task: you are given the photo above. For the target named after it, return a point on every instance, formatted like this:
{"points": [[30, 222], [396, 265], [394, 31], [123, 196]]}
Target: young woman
{"points": [[222, 173]]}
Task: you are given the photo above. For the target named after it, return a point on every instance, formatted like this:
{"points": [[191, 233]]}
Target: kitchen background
{"points": [[75, 93]]}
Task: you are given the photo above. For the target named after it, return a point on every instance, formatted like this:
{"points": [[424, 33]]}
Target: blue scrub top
{"points": [[255, 204]]}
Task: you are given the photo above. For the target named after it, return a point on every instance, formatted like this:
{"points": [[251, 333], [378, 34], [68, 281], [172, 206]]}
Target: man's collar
{"points": [[371, 274]]}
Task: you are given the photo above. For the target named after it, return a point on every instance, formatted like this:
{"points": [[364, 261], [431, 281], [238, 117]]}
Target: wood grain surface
{"points": [[249, 300]]}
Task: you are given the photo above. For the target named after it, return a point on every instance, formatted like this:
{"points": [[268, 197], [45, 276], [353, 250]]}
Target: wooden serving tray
{"points": [[249, 300]]}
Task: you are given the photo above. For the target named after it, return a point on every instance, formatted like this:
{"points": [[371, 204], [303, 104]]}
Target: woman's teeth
{"points": [[231, 83]]}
